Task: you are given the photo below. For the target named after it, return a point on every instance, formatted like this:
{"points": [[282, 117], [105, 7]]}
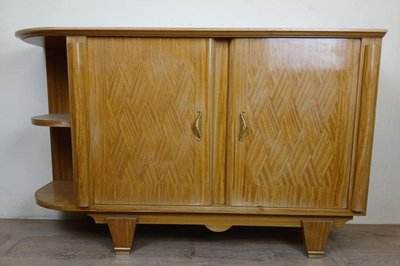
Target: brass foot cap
{"points": [[315, 254], [122, 251]]}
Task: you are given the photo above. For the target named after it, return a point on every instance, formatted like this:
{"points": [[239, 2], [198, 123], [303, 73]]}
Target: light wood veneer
{"points": [[219, 127], [52, 120]]}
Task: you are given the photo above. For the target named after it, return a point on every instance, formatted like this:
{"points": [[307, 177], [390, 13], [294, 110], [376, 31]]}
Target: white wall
{"points": [[24, 149]]}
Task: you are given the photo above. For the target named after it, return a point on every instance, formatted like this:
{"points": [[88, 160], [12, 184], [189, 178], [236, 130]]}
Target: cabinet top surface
{"points": [[31, 35]]}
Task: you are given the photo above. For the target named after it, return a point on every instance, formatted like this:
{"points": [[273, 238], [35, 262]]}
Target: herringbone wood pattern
{"points": [[299, 98], [146, 93]]}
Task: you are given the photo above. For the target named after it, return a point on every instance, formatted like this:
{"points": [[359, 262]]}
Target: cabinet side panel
{"points": [[57, 75], [366, 121], [58, 99], [61, 153], [77, 74], [297, 98], [148, 95]]}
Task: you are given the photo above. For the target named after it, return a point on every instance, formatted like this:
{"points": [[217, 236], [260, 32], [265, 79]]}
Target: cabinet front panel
{"points": [[145, 94], [299, 98]]}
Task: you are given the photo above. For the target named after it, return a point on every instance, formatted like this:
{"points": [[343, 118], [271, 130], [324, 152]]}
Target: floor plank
{"points": [[49, 242]]}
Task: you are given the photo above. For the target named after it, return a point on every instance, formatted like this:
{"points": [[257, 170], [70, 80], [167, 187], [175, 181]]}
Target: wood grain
{"points": [[218, 228], [220, 61], [59, 195], [78, 88], [34, 35], [299, 97], [52, 120], [61, 153], [220, 219], [57, 75], [145, 99], [131, 153], [365, 123], [58, 102], [122, 229], [316, 233]]}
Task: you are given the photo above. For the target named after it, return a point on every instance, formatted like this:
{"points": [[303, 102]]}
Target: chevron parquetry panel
{"points": [[299, 101], [146, 97]]}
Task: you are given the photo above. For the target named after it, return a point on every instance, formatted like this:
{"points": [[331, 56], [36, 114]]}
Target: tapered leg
{"points": [[315, 236], [122, 229]]}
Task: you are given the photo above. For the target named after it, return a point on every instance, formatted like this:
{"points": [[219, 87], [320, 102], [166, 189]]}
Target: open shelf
{"points": [[57, 195], [52, 120]]}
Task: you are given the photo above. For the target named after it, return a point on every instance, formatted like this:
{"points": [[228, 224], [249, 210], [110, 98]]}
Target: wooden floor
{"points": [[40, 242]]}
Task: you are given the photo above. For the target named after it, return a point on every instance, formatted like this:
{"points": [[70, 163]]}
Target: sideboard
{"points": [[214, 127]]}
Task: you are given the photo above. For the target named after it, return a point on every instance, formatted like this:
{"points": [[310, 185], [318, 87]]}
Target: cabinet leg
{"points": [[315, 236], [122, 229]]}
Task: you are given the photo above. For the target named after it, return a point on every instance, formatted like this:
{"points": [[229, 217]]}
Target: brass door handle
{"points": [[244, 125], [197, 125]]}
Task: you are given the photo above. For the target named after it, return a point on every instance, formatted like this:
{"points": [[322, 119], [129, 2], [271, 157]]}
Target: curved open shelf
{"points": [[57, 195], [52, 120]]}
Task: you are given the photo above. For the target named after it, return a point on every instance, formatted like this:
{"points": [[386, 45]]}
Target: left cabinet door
{"points": [[149, 121]]}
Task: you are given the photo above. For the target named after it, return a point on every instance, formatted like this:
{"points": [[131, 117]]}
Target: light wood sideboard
{"points": [[216, 127]]}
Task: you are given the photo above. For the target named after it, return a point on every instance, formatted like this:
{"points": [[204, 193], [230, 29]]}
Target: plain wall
{"points": [[24, 149]]}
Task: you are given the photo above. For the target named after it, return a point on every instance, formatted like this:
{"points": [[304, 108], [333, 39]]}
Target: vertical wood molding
{"points": [[122, 229], [233, 99], [315, 235], [220, 85], [212, 116], [77, 72], [366, 122]]}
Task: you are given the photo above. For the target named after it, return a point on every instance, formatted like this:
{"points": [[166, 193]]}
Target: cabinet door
{"points": [[299, 98], [146, 95]]}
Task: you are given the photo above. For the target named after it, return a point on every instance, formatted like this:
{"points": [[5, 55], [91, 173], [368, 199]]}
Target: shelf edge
{"points": [[52, 120]]}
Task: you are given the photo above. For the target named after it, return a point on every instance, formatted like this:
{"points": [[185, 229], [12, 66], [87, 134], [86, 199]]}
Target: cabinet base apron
{"points": [[122, 225]]}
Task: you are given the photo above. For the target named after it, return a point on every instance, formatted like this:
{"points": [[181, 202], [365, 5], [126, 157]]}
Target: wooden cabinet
{"points": [[218, 127]]}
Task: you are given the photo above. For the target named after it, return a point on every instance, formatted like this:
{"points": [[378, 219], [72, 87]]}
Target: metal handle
{"points": [[197, 126], [244, 125]]}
